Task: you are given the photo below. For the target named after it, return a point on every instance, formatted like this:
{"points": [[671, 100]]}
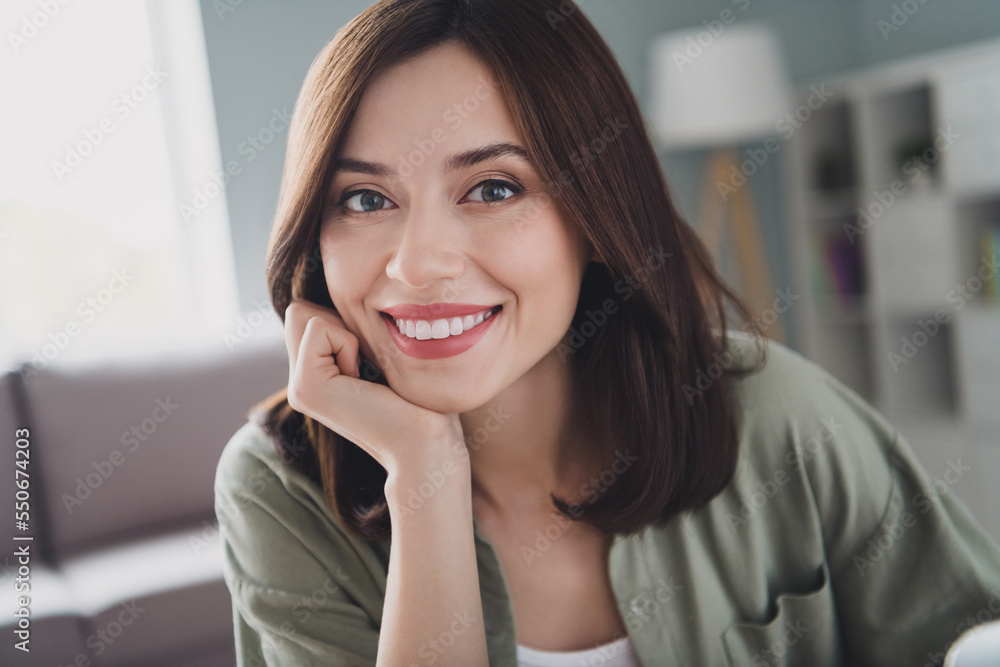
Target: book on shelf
{"points": [[837, 270], [989, 246]]}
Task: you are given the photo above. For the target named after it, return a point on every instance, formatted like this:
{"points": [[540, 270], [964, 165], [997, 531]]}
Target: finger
{"points": [[322, 340], [296, 317], [368, 414], [295, 326], [348, 405]]}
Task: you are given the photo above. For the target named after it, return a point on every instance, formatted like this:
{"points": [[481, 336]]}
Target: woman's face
{"points": [[434, 204]]}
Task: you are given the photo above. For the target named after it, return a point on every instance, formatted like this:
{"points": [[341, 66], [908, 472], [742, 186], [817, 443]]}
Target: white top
{"points": [[618, 653]]}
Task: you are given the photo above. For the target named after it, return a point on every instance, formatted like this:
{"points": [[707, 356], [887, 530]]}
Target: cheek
{"points": [[346, 274], [348, 286], [544, 263]]}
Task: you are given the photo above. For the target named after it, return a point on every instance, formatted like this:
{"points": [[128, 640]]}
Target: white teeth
{"points": [[425, 330], [440, 329]]}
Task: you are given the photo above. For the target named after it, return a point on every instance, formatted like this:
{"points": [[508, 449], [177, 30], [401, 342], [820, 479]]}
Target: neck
{"points": [[515, 441]]}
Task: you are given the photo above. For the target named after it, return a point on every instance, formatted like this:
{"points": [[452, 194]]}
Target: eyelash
{"points": [[514, 188]]}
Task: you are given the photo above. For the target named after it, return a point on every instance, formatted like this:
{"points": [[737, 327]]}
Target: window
{"points": [[109, 128]]}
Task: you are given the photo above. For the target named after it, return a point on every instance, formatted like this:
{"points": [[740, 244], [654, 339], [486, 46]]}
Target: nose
{"points": [[426, 251]]}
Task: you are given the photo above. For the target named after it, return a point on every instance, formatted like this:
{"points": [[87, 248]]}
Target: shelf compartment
{"points": [[905, 128], [837, 265], [828, 139], [978, 341], [913, 244], [969, 97], [978, 244], [844, 350], [920, 369]]}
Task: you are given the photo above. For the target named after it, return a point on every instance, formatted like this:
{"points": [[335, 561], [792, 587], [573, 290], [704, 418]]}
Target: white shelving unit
{"points": [[910, 325]]}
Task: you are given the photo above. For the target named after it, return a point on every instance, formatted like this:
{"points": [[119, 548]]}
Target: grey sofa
{"points": [[125, 561]]}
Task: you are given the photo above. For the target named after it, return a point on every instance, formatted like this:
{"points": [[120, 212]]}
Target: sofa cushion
{"points": [[56, 629], [154, 598], [129, 450]]}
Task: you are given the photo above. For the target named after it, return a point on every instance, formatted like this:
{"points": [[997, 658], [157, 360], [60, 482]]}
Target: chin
{"points": [[452, 399]]}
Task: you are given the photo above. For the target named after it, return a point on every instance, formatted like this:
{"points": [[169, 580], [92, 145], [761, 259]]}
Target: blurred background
{"points": [[840, 158]]}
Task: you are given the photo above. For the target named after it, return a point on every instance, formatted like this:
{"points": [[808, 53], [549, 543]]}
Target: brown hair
{"points": [[636, 372]]}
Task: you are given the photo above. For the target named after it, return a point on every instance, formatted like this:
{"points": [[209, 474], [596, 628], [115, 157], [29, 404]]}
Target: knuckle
{"points": [[295, 400], [313, 324], [294, 393], [293, 310]]}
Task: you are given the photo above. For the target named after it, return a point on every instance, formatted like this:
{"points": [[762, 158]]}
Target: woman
{"points": [[510, 355]]}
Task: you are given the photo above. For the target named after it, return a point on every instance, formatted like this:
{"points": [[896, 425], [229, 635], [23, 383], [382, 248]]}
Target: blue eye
{"points": [[493, 191], [365, 201]]}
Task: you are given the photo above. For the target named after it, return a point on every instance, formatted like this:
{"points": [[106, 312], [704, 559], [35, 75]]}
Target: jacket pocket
{"points": [[804, 631]]}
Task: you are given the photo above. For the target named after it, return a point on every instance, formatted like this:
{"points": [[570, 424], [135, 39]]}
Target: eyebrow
{"points": [[461, 161]]}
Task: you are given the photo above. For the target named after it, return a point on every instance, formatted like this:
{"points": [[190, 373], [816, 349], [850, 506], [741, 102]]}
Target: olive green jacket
{"points": [[831, 546]]}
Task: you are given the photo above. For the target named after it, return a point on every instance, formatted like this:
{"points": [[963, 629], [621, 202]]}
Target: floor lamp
{"points": [[714, 88]]}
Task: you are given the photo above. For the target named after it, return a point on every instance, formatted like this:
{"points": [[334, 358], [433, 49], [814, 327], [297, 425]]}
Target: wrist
{"points": [[422, 479]]}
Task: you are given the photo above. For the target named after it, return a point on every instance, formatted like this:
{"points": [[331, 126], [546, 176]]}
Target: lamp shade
{"points": [[717, 86]]}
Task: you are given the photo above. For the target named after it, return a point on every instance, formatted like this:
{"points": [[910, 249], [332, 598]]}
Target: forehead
{"points": [[444, 96]]}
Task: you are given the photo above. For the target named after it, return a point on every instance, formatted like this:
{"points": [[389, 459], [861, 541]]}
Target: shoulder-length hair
{"points": [[642, 374]]}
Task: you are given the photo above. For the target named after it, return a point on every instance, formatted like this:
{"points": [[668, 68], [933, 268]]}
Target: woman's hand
{"points": [[324, 383]]}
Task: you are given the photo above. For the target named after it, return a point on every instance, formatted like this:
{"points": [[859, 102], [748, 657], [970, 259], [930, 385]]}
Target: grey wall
{"points": [[259, 53], [923, 25]]}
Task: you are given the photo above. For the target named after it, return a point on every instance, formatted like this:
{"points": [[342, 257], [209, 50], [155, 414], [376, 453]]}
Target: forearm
{"points": [[432, 604]]}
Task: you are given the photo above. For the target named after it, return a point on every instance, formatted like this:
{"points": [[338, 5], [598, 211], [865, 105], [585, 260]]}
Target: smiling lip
{"points": [[435, 311], [438, 348]]}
